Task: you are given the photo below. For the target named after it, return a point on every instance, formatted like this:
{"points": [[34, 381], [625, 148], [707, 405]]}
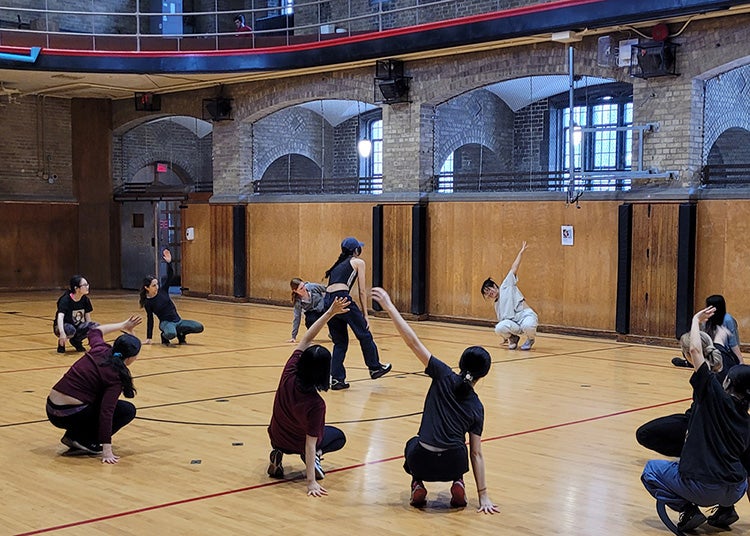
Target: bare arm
{"points": [[313, 488], [339, 305], [359, 265], [126, 325], [477, 465], [404, 329], [517, 262], [61, 328], [696, 349]]}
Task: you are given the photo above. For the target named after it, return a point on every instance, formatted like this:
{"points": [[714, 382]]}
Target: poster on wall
{"points": [[567, 235]]}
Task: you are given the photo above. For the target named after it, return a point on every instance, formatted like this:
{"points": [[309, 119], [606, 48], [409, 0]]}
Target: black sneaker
{"points": [[691, 518], [60, 348], [181, 339], [338, 385], [722, 517], [90, 448], [681, 362], [78, 346], [165, 341], [380, 371], [275, 470]]}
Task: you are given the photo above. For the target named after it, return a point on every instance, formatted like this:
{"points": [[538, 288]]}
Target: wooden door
{"points": [[653, 294]]}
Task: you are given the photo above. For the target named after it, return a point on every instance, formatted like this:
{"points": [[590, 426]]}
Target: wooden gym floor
{"points": [[558, 439]]}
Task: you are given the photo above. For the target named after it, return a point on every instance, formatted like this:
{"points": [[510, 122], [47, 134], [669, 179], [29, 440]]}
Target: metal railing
{"points": [[143, 29], [318, 186], [726, 175]]}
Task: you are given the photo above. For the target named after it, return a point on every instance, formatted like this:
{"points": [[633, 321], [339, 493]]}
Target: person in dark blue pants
{"points": [[347, 270]]}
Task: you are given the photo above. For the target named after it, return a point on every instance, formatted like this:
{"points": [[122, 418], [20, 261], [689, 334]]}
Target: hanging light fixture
{"points": [[364, 146]]}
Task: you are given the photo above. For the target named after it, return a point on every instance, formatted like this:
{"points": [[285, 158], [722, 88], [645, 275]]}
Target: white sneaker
{"points": [[528, 344]]}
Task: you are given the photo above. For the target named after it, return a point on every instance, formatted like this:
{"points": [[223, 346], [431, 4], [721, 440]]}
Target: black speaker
{"points": [[686, 229], [147, 102], [659, 59], [389, 69], [624, 254], [217, 109], [419, 271], [396, 90]]}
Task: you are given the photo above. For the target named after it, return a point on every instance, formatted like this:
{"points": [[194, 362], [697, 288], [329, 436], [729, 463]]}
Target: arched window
{"points": [[371, 167]]}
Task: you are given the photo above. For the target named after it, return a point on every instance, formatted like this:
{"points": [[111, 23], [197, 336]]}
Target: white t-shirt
{"points": [[510, 301]]}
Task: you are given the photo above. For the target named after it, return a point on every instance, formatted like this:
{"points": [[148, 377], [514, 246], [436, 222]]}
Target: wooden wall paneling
{"points": [[572, 287], [222, 266], [288, 240], [197, 253], [722, 257], [397, 254], [39, 244], [654, 269]]}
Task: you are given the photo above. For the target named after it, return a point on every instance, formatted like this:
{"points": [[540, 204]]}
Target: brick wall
{"points": [[35, 148]]}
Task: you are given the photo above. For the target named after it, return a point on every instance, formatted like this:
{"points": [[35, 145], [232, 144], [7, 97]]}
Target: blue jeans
{"points": [[340, 335], [664, 482], [333, 439], [170, 330]]}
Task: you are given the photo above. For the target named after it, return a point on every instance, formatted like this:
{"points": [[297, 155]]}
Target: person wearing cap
{"points": [[514, 316], [710, 470], [452, 409], [85, 402], [347, 270]]}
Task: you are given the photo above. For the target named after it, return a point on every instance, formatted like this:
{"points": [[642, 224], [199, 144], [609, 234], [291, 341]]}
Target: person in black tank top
{"points": [[347, 270]]}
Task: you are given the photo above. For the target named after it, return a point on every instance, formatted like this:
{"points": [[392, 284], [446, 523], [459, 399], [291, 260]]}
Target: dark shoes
{"points": [[681, 362], [418, 494], [78, 346], [380, 371], [458, 494], [513, 342], [722, 517], [275, 470], [165, 341], [691, 518], [181, 339], [88, 448], [60, 348], [338, 385]]}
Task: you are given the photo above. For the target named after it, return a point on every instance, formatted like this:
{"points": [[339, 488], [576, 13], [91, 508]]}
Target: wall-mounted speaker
{"points": [[396, 90], [652, 60], [389, 69], [217, 109]]}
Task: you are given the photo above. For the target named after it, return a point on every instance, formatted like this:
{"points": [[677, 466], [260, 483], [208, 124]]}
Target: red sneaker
{"points": [[458, 494], [418, 494]]}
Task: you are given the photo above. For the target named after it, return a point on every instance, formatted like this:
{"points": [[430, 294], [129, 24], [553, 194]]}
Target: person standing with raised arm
{"points": [[451, 410], [299, 412], [514, 316]]}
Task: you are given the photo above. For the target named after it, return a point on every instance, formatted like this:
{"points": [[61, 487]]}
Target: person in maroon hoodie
{"points": [[86, 401]]}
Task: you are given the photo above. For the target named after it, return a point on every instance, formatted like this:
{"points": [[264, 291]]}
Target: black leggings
{"points": [[82, 423], [665, 435]]}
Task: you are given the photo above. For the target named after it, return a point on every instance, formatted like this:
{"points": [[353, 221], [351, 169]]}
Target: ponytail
{"points": [[466, 386], [117, 361]]}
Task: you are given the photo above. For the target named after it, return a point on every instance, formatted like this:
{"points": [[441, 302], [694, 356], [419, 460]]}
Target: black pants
{"points": [[665, 435], [83, 425], [423, 464], [333, 440]]}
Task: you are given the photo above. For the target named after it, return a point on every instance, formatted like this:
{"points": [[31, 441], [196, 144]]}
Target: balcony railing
{"points": [[726, 175], [145, 30]]}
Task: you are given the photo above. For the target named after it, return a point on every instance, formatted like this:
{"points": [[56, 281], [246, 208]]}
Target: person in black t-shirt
{"points": [[156, 301], [711, 469], [73, 316], [451, 410]]}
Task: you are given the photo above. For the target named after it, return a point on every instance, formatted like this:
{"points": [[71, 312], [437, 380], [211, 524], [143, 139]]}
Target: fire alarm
{"points": [[660, 32]]}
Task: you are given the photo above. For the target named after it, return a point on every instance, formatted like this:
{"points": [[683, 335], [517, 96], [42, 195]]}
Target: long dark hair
{"points": [[146, 283], [739, 385], [717, 319], [474, 364], [294, 283], [125, 346], [345, 254]]}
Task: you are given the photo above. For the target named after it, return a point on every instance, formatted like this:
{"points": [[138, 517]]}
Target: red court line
{"points": [[347, 468]]}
